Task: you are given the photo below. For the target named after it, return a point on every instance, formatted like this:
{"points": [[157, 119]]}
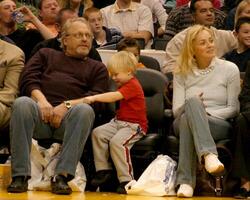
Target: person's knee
{"points": [[193, 100], [97, 134], [84, 111], [183, 120], [23, 103], [113, 143]]}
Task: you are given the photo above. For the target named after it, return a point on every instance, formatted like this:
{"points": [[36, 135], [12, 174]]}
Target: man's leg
{"points": [[77, 126], [25, 119]]}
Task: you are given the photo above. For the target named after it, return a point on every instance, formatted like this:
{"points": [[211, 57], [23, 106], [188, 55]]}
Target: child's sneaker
{"points": [[121, 188], [101, 177]]}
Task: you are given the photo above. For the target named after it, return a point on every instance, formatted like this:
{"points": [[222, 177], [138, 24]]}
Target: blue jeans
{"points": [[26, 123], [197, 133]]}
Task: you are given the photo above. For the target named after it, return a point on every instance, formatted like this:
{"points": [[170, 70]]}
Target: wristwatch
{"points": [[67, 104]]}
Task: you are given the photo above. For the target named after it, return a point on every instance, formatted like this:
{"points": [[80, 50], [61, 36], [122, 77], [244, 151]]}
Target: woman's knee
{"points": [[195, 100]]}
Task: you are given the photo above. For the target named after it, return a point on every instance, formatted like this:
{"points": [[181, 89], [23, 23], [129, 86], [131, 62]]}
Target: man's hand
{"points": [[46, 110], [28, 15], [58, 114]]}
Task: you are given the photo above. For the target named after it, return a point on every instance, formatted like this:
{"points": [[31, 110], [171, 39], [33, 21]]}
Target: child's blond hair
{"points": [[122, 61]]}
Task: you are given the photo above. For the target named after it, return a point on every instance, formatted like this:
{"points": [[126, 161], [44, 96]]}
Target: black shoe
{"points": [[18, 184], [101, 177], [121, 188], [59, 185], [241, 193]]}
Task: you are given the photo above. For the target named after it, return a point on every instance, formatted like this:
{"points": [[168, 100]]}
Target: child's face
{"points": [[133, 50], [95, 21], [244, 35], [121, 77]]}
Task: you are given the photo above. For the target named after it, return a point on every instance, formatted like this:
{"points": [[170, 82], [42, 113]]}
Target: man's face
{"points": [[95, 22], [49, 10], [6, 9], [78, 40], [204, 13]]}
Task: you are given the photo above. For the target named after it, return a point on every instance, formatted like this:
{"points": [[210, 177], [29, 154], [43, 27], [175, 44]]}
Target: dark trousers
{"points": [[241, 161]]}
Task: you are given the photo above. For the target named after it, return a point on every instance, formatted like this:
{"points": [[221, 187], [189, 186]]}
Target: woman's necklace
{"points": [[206, 70]]}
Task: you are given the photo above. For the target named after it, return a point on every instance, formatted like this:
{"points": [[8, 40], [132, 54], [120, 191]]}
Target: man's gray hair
{"points": [[66, 27]]}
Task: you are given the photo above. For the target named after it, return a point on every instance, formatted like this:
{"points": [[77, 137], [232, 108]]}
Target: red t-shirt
{"points": [[132, 107]]}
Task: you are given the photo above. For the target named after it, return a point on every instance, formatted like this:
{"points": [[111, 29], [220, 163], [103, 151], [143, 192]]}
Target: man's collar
{"points": [[131, 7]]}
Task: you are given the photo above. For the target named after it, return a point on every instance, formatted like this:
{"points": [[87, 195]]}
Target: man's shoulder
{"points": [[10, 49], [141, 7], [108, 9], [95, 63], [179, 37], [52, 43], [49, 52]]}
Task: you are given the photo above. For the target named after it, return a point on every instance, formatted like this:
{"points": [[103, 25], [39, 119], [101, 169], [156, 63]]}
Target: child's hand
{"points": [[88, 100]]}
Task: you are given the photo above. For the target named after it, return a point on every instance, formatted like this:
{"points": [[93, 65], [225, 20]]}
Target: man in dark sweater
{"points": [[53, 84]]}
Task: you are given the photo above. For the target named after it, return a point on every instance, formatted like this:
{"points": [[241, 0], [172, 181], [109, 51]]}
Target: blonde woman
{"points": [[79, 6], [205, 95], [242, 10]]}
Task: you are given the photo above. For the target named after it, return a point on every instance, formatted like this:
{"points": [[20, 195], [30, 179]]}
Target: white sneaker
{"points": [[213, 164], [185, 190]]}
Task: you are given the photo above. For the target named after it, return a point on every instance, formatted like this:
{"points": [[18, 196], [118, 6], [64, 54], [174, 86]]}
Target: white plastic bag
{"points": [[43, 163], [157, 180]]}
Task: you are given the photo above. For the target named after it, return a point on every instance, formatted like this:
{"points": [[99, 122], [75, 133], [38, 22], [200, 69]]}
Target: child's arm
{"points": [[107, 97]]}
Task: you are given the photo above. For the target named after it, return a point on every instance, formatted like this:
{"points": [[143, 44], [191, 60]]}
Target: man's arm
{"points": [[146, 35], [171, 24], [9, 91], [145, 24], [29, 16], [45, 107], [173, 49]]}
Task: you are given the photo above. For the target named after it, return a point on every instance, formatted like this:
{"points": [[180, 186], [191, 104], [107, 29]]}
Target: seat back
{"points": [[141, 42], [160, 43], [154, 86], [150, 62]]}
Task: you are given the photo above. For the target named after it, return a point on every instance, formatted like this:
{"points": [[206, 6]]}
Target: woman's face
{"points": [[245, 12], [203, 45]]}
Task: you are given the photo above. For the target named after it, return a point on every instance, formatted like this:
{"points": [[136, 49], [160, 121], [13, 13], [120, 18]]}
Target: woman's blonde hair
{"points": [[66, 3], [240, 9], [122, 61], [186, 61]]}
